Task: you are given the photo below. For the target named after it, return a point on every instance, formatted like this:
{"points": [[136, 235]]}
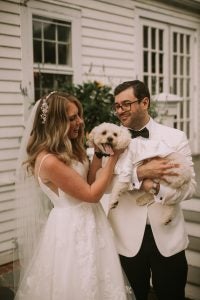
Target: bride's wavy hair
{"points": [[50, 130]]}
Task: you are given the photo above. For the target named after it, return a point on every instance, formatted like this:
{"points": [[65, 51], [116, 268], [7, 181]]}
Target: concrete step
{"points": [[191, 210], [193, 259], [192, 292]]}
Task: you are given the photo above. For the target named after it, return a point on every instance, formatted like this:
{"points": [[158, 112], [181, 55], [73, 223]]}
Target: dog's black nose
{"points": [[110, 139]]}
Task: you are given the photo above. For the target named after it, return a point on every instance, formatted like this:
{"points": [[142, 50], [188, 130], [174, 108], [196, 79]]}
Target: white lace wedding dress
{"points": [[76, 258]]}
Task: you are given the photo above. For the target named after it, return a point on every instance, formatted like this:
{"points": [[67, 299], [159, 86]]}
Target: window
{"points": [[166, 65], [52, 54]]}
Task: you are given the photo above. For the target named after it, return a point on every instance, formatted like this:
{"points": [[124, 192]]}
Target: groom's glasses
{"points": [[125, 106]]}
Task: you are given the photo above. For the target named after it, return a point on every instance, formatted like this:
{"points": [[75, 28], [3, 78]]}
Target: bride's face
{"points": [[75, 121]]}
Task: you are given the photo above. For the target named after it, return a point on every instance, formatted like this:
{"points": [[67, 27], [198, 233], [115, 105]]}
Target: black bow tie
{"points": [[144, 133]]}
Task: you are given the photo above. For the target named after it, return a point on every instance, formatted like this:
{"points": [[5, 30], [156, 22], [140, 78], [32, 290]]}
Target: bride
{"points": [[69, 253]]}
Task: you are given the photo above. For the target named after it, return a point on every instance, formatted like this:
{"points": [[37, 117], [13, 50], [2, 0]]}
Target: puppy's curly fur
{"points": [[109, 134], [138, 151]]}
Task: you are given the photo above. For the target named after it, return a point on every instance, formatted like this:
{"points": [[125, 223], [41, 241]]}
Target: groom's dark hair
{"points": [[140, 89]]}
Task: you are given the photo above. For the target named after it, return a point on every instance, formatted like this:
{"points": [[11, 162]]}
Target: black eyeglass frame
{"points": [[125, 106]]}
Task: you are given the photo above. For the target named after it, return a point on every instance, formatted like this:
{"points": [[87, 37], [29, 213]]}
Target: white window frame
{"points": [[164, 18], [70, 15]]}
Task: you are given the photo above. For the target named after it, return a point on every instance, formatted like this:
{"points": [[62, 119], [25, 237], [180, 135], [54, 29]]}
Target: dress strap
{"points": [[44, 157]]}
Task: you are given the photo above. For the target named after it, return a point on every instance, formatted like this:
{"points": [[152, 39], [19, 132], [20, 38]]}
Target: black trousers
{"points": [[168, 274]]}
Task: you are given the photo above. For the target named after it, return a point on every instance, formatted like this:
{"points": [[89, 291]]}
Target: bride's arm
{"points": [[95, 165], [69, 181]]}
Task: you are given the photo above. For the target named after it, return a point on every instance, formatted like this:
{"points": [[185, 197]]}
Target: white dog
{"points": [[137, 151]]}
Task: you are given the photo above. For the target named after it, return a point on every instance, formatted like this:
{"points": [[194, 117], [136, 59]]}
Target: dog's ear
{"points": [[125, 137]]}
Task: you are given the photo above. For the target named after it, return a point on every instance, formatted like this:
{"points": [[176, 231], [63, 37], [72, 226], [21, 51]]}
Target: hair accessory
{"points": [[44, 109]]}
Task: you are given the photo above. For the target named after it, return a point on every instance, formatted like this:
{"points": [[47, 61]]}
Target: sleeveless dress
{"points": [[76, 258]]}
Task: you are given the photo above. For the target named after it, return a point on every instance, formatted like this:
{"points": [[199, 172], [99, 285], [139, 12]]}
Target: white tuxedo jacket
{"points": [[128, 220]]}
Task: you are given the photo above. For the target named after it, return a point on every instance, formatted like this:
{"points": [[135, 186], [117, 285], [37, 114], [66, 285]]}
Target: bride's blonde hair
{"points": [[50, 130]]}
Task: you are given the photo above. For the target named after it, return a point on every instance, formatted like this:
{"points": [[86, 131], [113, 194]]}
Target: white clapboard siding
{"points": [[109, 62], [10, 52], [14, 86], [11, 132], [7, 226], [9, 153], [14, 75], [11, 118], [8, 165], [11, 110], [108, 53], [11, 98]]}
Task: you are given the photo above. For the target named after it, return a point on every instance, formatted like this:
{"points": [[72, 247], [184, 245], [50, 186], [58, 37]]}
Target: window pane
{"points": [[63, 34], [175, 65], [45, 83], [153, 62], [181, 87], [37, 29], [181, 65], [49, 31], [153, 38], [188, 66], [145, 37], [62, 55], [37, 51], [181, 43], [146, 80], [160, 84], [153, 85], [160, 63], [49, 53], [175, 86], [188, 44], [175, 42], [145, 61], [160, 39], [188, 109]]}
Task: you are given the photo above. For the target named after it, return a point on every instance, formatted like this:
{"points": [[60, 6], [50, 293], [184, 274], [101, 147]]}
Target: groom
{"points": [[148, 248]]}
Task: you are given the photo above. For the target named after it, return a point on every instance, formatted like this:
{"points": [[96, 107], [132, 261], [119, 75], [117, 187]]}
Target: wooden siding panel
{"points": [[108, 16], [108, 35], [104, 71], [6, 197], [103, 44], [8, 98], [11, 132], [10, 41], [7, 215], [6, 226], [12, 87], [7, 52], [10, 63], [10, 120], [10, 29], [9, 143], [108, 62], [120, 28], [6, 18], [8, 165], [106, 53], [8, 154], [11, 110], [12, 75], [9, 6]]}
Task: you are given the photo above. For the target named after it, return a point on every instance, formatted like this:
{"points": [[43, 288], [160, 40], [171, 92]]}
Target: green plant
{"points": [[97, 101]]}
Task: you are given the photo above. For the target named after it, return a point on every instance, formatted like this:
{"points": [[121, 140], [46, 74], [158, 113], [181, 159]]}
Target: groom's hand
{"points": [[156, 168]]}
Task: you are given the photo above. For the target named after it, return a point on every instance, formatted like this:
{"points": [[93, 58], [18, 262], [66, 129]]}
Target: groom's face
{"points": [[137, 116]]}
